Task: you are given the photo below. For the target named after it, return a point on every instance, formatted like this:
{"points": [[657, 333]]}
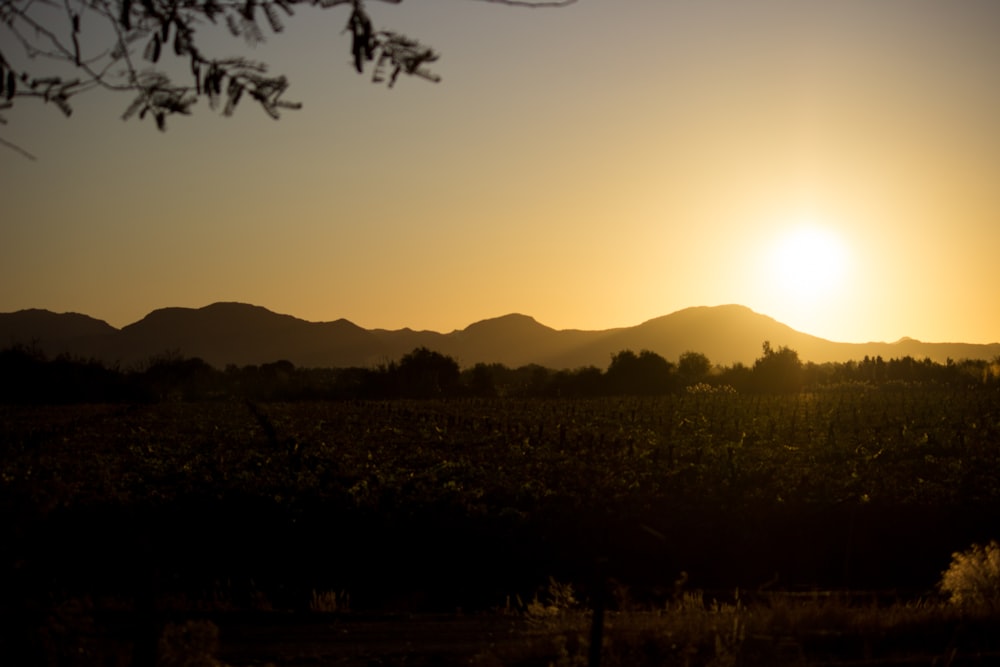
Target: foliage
{"points": [[465, 499], [424, 373], [973, 578], [556, 600], [29, 377], [189, 644], [137, 47], [693, 367], [329, 602], [766, 631], [778, 370], [646, 373]]}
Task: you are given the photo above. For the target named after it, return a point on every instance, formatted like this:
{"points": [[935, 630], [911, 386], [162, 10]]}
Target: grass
{"points": [[459, 501], [774, 630], [554, 630]]}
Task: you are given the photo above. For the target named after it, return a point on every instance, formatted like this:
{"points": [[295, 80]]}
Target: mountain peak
{"points": [[227, 313], [25, 326], [225, 333], [510, 323]]}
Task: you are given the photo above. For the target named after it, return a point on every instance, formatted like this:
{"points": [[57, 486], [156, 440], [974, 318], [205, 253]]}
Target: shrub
{"points": [[973, 578], [192, 643]]}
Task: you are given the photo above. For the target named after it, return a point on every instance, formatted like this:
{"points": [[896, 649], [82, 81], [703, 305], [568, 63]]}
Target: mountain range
{"points": [[243, 334]]}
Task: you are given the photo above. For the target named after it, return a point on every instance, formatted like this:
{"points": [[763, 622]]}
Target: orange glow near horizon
{"points": [[593, 167]]}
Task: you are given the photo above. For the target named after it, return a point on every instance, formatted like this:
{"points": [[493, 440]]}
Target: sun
{"points": [[810, 262], [808, 275]]}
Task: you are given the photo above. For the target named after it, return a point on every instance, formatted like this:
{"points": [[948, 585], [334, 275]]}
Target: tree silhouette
{"points": [[53, 50], [646, 373], [693, 367], [481, 381], [778, 370], [424, 373]]}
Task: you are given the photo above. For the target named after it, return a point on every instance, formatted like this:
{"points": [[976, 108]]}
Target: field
{"points": [[126, 523]]}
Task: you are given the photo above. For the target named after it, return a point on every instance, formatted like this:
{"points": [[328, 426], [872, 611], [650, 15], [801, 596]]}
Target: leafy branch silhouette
{"points": [[127, 40]]}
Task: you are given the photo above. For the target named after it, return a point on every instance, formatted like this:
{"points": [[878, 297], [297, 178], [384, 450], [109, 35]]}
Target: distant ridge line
{"points": [[225, 333]]}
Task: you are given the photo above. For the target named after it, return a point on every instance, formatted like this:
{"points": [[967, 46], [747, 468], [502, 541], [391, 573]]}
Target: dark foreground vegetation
{"points": [[716, 524], [27, 376]]}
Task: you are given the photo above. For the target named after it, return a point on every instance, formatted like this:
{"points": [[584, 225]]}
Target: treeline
{"points": [[28, 376]]}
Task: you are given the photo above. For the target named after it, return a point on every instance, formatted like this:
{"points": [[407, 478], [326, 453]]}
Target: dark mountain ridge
{"points": [[242, 334], [22, 326]]}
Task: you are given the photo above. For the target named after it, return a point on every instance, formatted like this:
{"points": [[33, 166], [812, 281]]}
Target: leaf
{"points": [[152, 52], [271, 110], [272, 18], [362, 42], [180, 43], [378, 76], [252, 33], [125, 18], [63, 105], [132, 108], [213, 84], [233, 25], [161, 121], [211, 9], [235, 92]]}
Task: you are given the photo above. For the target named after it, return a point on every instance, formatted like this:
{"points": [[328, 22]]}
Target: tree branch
{"points": [[534, 5], [151, 29], [16, 149]]}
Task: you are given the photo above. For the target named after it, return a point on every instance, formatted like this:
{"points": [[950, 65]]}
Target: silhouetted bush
{"points": [[424, 373], [480, 381], [27, 376], [973, 578], [778, 370], [171, 377], [644, 374], [693, 367]]}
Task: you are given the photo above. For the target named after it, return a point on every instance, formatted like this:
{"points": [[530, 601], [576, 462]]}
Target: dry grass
{"points": [[773, 631]]}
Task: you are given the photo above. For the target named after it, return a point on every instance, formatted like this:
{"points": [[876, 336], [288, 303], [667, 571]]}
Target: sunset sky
{"points": [[833, 164]]}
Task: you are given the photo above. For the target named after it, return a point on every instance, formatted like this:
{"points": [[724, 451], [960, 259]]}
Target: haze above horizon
{"points": [[833, 166]]}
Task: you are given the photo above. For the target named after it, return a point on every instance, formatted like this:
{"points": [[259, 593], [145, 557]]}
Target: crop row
{"points": [[813, 483], [924, 446]]}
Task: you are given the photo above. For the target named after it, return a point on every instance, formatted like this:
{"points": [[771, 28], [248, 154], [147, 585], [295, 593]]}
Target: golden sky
{"points": [[832, 164]]}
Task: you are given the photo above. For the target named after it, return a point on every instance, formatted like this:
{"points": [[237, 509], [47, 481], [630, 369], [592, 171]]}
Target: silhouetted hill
{"points": [[515, 340], [243, 334], [51, 332], [725, 334]]}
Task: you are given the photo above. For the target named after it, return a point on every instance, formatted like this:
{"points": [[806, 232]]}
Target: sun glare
{"points": [[810, 262]]}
